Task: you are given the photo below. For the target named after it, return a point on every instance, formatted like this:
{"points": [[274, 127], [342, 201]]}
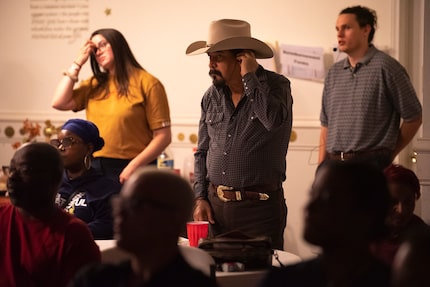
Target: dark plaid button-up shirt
{"points": [[245, 145]]}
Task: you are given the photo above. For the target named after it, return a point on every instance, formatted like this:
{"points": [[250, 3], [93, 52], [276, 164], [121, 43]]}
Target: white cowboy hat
{"points": [[230, 34]]}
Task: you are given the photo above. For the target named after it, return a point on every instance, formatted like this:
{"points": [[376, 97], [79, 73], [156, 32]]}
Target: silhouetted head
{"points": [[152, 210], [35, 174], [348, 203]]}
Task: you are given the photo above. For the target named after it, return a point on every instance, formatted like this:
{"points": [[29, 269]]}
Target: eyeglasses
{"points": [[65, 142], [101, 46]]}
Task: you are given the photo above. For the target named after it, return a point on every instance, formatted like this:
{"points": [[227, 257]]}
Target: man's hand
{"points": [[248, 62], [202, 211]]}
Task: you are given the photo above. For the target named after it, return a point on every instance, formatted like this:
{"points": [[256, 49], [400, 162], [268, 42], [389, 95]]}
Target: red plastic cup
{"points": [[197, 230]]}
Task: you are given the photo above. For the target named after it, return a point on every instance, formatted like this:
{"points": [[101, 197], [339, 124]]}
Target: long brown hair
{"points": [[124, 61]]}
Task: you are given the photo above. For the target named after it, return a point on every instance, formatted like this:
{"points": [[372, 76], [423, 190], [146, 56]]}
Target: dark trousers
{"points": [[110, 167], [252, 217]]}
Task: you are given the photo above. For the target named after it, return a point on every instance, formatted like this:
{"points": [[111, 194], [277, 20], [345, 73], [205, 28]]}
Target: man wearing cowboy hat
{"points": [[244, 132]]}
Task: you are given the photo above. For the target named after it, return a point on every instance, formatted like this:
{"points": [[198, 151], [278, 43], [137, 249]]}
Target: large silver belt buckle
{"points": [[220, 193]]}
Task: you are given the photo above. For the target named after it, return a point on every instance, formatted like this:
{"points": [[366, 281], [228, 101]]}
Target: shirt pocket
{"points": [[214, 123]]}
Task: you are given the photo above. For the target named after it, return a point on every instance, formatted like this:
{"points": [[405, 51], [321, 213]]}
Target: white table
{"points": [[105, 244], [226, 279], [252, 278]]}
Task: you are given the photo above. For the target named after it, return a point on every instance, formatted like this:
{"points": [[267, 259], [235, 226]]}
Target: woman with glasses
{"points": [[85, 192], [128, 104]]}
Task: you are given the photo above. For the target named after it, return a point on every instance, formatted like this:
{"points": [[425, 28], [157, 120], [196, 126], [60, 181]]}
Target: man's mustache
{"points": [[214, 73]]}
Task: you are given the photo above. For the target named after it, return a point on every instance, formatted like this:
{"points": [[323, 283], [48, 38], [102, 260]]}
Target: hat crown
{"points": [[227, 28], [230, 34]]}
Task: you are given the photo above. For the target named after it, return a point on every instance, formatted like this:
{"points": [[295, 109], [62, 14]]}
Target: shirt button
{"points": [[252, 118], [225, 153], [223, 173], [229, 135]]}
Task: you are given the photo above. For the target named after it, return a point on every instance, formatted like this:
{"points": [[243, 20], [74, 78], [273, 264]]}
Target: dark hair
{"points": [[365, 16], [124, 60], [237, 51], [368, 187], [179, 196], [399, 174]]}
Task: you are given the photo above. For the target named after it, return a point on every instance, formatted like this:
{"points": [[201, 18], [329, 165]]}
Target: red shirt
{"points": [[38, 253]]}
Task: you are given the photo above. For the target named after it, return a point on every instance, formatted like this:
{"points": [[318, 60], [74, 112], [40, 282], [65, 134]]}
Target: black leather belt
{"points": [[340, 155], [228, 193]]}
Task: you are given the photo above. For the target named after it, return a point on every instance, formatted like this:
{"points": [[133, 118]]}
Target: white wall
{"points": [[158, 32]]}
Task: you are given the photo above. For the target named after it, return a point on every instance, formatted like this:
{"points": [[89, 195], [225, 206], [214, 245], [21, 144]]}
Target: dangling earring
{"points": [[87, 161]]}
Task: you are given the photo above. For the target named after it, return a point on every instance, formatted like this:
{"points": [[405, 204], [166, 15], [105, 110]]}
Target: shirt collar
{"points": [[363, 61]]}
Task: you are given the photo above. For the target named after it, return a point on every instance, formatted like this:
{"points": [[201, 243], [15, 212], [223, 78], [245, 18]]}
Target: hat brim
{"points": [[261, 49]]}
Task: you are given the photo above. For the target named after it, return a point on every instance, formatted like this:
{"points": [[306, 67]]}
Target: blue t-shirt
{"points": [[88, 198]]}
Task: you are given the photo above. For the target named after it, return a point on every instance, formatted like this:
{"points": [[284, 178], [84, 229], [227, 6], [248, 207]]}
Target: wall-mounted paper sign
{"points": [[59, 19], [302, 62]]}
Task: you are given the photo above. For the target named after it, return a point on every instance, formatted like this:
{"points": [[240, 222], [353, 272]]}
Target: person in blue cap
{"points": [[85, 192]]}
